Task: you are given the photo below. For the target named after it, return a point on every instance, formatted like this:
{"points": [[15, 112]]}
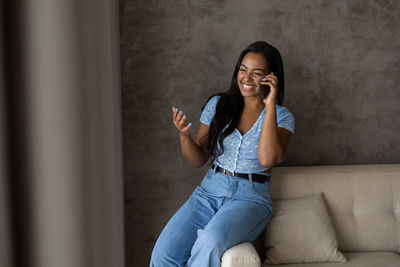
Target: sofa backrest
{"points": [[363, 201]]}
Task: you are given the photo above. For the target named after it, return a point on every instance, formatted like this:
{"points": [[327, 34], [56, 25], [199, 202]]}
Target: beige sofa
{"points": [[363, 202]]}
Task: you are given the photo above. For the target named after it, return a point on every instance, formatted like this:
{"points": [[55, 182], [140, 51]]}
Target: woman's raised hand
{"points": [[271, 80], [179, 120]]}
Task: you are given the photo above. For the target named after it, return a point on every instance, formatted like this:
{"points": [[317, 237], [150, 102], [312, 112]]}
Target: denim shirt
{"points": [[241, 151]]}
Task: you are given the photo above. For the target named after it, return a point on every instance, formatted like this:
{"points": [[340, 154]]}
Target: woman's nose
{"points": [[248, 77]]}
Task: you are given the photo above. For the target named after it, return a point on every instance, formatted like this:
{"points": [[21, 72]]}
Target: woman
{"points": [[244, 136]]}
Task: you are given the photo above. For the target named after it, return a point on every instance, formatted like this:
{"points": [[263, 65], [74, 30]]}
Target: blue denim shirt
{"points": [[241, 151]]}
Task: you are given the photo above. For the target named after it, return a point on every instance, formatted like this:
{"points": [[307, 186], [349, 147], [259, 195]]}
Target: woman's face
{"points": [[252, 69]]}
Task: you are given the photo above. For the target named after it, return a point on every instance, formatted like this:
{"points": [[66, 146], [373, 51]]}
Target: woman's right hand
{"points": [[179, 120]]}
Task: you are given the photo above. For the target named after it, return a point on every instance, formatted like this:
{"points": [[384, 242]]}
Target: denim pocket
{"points": [[262, 189]]}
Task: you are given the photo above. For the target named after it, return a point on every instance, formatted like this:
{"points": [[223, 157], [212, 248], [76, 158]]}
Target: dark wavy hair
{"points": [[231, 103]]}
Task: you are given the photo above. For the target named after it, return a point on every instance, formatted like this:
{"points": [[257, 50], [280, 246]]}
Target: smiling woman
{"points": [[242, 135]]}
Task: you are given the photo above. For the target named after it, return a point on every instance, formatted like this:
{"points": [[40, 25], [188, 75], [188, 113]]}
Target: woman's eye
{"points": [[242, 69], [257, 74]]}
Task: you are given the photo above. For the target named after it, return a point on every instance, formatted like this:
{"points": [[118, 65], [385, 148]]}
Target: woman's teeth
{"points": [[248, 87]]}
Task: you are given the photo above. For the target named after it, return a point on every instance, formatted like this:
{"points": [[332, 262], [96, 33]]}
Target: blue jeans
{"points": [[222, 212]]}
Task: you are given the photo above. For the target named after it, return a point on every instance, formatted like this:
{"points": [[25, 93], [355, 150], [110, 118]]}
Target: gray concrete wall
{"points": [[342, 65]]}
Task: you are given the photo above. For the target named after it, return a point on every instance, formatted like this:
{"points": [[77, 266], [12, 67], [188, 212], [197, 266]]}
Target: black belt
{"points": [[255, 177]]}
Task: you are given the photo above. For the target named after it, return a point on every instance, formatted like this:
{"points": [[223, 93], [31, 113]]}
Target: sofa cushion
{"points": [[356, 259], [301, 231], [362, 200]]}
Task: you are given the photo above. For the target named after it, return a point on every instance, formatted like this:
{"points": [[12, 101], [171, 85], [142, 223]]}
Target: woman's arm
{"points": [[273, 141], [195, 151]]}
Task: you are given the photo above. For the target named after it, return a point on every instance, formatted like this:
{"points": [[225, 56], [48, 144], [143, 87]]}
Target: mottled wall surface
{"points": [[342, 66]]}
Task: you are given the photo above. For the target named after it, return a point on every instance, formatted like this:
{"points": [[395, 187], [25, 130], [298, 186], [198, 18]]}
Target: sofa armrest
{"points": [[241, 255]]}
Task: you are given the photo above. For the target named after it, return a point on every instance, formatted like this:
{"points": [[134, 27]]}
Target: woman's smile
{"points": [[248, 87]]}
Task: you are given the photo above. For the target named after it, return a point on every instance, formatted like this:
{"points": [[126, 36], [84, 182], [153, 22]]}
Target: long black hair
{"points": [[231, 103]]}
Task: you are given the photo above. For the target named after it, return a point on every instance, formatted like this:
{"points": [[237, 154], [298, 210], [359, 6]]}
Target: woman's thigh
{"points": [[237, 221]]}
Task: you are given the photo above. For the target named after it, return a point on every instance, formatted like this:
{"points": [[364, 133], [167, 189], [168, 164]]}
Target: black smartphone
{"points": [[264, 90]]}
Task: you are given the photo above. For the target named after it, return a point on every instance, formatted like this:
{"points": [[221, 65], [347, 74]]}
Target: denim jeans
{"points": [[222, 212]]}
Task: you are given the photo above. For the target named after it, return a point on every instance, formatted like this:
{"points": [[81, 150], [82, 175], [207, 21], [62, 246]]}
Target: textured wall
{"points": [[342, 65]]}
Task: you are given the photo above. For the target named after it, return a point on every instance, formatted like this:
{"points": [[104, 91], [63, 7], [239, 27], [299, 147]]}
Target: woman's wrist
{"points": [[184, 136], [269, 105]]}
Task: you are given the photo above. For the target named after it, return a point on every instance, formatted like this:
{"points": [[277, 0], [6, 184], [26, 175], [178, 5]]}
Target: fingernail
{"points": [[180, 112], [190, 124], [184, 116], [176, 109]]}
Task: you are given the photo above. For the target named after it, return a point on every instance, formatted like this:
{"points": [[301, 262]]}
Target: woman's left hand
{"points": [[272, 81]]}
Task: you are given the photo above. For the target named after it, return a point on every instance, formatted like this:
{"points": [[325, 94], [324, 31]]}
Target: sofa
{"points": [[363, 202]]}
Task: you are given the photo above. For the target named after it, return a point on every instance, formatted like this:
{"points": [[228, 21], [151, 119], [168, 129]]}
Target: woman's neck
{"points": [[253, 103]]}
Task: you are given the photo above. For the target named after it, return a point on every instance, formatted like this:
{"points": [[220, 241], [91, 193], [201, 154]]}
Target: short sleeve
{"points": [[209, 110], [286, 119]]}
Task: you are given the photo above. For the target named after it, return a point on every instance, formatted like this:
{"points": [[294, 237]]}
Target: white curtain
{"points": [[61, 188]]}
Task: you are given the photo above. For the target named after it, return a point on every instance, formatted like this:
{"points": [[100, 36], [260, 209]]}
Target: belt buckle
{"points": [[225, 172]]}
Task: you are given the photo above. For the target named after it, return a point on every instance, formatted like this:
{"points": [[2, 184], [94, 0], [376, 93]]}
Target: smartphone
{"points": [[264, 90]]}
